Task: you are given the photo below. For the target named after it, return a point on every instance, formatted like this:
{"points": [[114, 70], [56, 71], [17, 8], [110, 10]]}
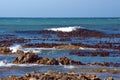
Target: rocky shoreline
{"points": [[96, 52], [55, 75], [31, 58], [67, 42], [9, 40]]}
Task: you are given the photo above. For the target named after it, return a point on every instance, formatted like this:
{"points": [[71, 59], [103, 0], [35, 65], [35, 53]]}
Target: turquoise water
{"points": [[103, 24]]}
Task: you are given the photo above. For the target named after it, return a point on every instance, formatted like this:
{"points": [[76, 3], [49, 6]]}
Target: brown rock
{"points": [[54, 75], [71, 47], [33, 79], [26, 58], [5, 50], [92, 77], [20, 52], [42, 61], [64, 60], [110, 78], [52, 62]]}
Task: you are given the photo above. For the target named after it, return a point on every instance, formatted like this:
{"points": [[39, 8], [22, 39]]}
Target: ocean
{"points": [[103, 24], [31, 29]]}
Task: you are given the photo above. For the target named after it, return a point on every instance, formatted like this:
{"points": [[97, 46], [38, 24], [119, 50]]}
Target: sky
{"points": [[59, 8]]}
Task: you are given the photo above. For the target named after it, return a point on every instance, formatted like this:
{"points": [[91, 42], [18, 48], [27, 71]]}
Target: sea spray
{"points": [[14, 48]]}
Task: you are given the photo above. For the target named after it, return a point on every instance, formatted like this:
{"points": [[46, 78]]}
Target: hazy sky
{"points": [[59, 8]]}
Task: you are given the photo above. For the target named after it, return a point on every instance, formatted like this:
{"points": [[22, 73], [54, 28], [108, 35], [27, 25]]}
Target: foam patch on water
{"points": [[66, 29], [34, 50], [69, 66], [83, 48], [7, 64]]}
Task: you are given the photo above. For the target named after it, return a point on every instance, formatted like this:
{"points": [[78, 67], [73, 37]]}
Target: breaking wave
{"points": [[34, 50], [66, 29], [4, 63], [15, 48]]}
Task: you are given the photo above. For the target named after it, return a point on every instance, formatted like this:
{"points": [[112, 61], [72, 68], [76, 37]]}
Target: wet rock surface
{"points": [[33, 58], [9, 42], [54, 75], [95, 53], [26, 58], [73, 46], [39, 45], [106, 64], [67, 61], [112, 71], [5, 50], [75, 33], [69, 47]]}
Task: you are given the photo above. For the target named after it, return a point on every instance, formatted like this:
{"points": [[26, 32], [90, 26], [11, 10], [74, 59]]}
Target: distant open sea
{"points": [[109, 25]]}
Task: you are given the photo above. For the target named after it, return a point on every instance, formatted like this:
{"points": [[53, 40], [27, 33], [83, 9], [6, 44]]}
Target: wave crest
{"points": [[15, 48], [66, 29]]}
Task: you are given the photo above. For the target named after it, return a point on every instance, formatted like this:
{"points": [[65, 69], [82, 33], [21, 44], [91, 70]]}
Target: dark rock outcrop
{"points": [[48, 61], [26, 58], [66, 61], [33, 58]]}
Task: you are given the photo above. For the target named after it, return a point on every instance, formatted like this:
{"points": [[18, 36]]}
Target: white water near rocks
{"points": [[14, 48], [66, 29]]}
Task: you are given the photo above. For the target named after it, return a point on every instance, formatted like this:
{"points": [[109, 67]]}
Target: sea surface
{"points": [[27, 28]]}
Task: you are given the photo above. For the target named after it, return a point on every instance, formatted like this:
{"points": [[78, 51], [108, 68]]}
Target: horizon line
{"points": [[59, 17]]}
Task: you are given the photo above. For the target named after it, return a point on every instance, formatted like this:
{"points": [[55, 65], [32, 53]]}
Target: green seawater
{"points": [[103, 24]]}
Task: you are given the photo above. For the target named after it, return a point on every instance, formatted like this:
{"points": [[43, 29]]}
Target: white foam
{"points": [[34, 50], [6, 64], [83, 48], [15, 48], [69, 66], [66, 29]]}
